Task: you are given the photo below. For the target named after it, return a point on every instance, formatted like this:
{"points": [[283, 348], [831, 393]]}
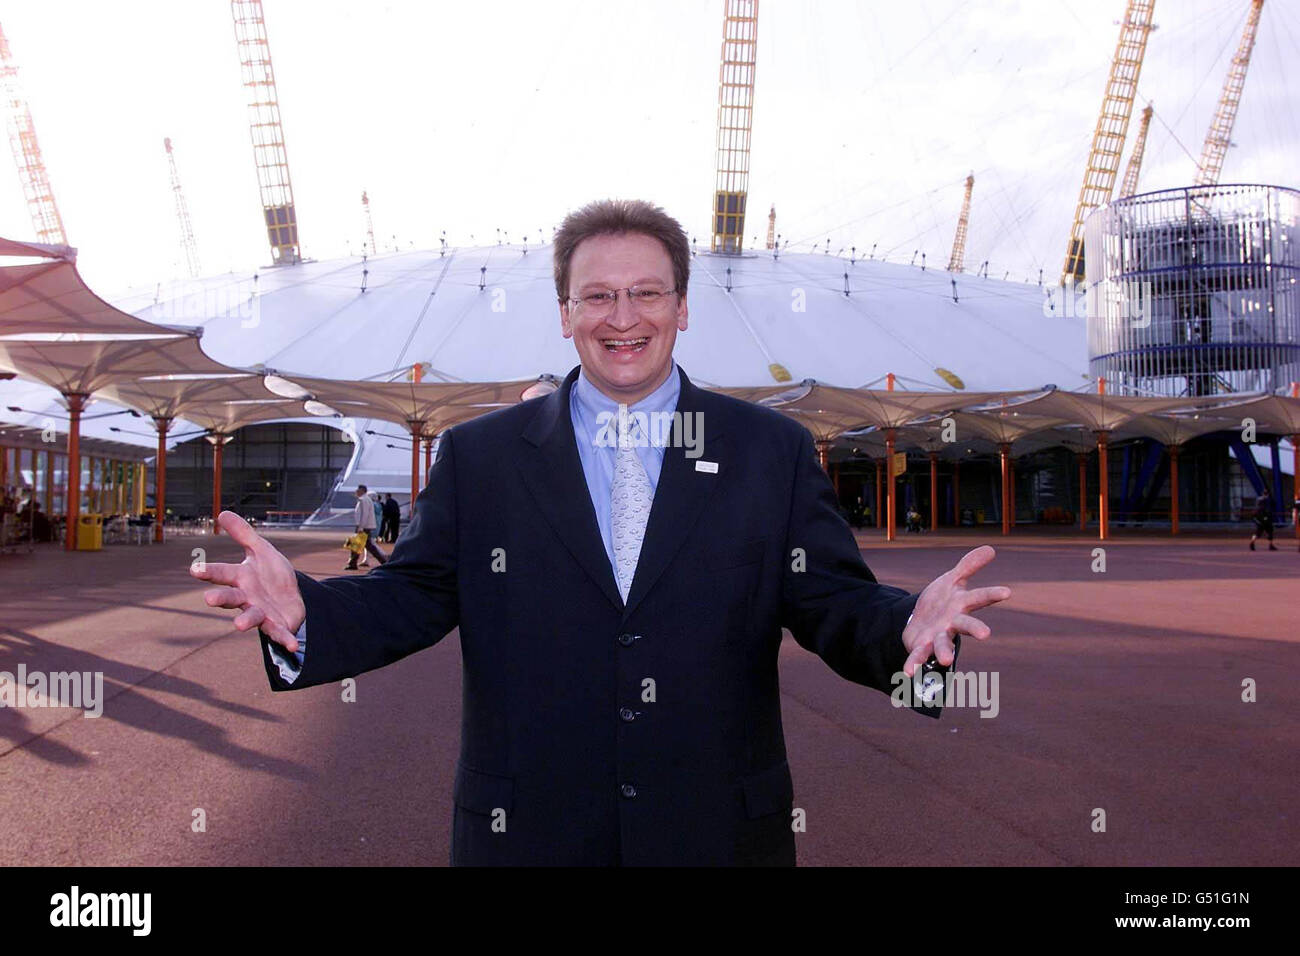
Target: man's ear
{"points": [[566, 326], [681, 315]]}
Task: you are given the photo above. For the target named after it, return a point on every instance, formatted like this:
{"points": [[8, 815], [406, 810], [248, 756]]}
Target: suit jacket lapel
{"points": [[553, 473]]}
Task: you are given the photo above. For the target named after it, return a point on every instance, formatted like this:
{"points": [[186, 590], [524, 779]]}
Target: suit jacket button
{"points": [[628, 791], [626, 639], [627, 714]]}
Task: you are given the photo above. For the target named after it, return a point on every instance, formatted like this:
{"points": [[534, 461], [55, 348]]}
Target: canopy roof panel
{"points": [[48, 297], [79, 364], [433, 405]]}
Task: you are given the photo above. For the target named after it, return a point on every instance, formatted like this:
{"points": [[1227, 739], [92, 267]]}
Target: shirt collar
{"points": [[662, 399]]}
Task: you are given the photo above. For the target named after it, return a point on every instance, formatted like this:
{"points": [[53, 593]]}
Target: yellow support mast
{"points": [[269, 154], [182, 214], [370, 223], [1134, 167], [27, 154], [957, 261], [1219, 138], [1112, 128], [735, 121], [771, 228]]}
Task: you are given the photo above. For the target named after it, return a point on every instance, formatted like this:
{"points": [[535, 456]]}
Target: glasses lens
{"points": [[601, 304], [598, 304], [648, 299]]}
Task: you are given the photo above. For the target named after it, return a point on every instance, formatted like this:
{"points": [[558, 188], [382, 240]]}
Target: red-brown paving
{"points": [[1119, 691]]}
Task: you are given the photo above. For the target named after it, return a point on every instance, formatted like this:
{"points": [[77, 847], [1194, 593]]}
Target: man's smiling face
{"points": [[628, 352]]}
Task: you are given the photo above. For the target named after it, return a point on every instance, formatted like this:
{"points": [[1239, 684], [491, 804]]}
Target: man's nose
{"points": [[624, 316]]}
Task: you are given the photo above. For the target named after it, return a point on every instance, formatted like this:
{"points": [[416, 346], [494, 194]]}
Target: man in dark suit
{"points": [[392, 519], [620, 597]]}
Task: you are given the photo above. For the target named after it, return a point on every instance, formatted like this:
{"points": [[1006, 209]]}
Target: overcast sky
{"points": [[475, 116]]}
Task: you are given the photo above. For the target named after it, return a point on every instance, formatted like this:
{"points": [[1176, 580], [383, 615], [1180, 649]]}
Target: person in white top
{"points": [[363, 519]]}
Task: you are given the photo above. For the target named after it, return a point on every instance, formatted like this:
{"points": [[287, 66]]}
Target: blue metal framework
{"points": [[1194, 291]]}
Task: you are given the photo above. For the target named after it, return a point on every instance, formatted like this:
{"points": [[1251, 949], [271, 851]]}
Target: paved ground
{"points": [[1118, 690]]}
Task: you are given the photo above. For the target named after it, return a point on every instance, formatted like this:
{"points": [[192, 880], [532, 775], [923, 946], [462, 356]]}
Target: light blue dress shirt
{"points": [[596, 425], [595, 429]]}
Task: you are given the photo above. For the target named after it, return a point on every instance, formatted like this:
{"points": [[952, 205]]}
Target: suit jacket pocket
{"points": [[769, 791], [483, 792]]}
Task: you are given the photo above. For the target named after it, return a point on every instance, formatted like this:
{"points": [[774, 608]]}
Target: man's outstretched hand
{"points": [[942, 611], [263, 586]]}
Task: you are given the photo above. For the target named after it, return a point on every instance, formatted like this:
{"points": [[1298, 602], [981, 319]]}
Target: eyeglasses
{"points": [[646, 301]]}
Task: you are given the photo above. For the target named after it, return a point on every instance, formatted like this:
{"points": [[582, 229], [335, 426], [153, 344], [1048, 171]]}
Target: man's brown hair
{"points": [[617, 217]]}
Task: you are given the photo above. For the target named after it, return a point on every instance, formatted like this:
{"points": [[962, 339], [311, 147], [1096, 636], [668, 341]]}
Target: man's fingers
{"points": [[255, 617], [251, 618], [240, 531], [965, 624], [983, 597], [225, 597], [973, 560], [920, 654], [280, 634], [216, 573], [943, 650]]}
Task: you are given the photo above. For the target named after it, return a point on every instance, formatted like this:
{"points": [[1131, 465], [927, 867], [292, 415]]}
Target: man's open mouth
{"points": [[625, 346]]}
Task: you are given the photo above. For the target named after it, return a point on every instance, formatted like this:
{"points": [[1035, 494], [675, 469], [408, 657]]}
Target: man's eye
{"points": [[596, 298], [647, 295]]}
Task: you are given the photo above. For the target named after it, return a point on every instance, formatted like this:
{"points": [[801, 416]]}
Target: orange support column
{"points": [[890, 524], [1011, 491], [1004, 452], [218, 457], [416, 428], [934, 491], [880, 508], [956, 494], [160, 478], [1173, 489], [49, 482], [1103, 505], [824, 454], [76, 402]]}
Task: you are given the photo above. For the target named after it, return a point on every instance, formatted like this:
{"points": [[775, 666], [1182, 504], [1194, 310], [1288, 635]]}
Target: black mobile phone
{"points": [[930, 682]]}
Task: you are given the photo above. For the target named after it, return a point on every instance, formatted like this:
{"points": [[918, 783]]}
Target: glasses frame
{"points": [[580, 301]]}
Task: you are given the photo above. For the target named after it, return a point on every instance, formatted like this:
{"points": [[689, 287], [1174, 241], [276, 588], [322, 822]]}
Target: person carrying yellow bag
{"points": [[364, 523]]}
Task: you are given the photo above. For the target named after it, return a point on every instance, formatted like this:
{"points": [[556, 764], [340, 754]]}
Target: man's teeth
{"points": [[625, 343]]}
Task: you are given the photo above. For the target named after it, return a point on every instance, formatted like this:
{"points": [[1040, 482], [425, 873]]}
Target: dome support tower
{"points": [[735, 121], [1112, 128], [269, 154]]}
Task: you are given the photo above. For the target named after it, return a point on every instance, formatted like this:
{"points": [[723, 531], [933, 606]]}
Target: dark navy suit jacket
{"points": [[600, 733]]}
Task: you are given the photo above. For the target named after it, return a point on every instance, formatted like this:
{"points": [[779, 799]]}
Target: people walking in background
{"points": [[392, 522], [1263, 522], [857, 514], [363, 518], [379, 520]]}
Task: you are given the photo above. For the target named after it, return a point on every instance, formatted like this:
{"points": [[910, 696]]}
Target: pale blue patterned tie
{"points": [[630, 497]]}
